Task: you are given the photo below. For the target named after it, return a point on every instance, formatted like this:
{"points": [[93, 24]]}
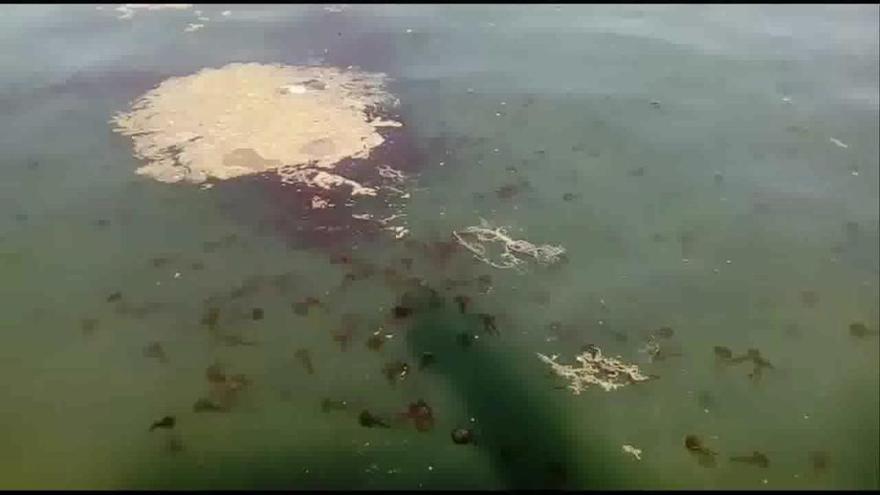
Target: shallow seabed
{"points": [[711, 169]]}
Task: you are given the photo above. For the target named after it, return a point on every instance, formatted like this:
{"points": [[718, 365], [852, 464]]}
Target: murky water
{"points": [[709, 169]]}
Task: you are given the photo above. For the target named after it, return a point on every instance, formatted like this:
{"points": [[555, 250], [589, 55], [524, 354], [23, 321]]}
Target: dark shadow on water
{"points": [[528, 443]]}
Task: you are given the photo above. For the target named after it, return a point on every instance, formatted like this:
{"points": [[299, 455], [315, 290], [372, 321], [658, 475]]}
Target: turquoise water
{"points": [[722, 210]]}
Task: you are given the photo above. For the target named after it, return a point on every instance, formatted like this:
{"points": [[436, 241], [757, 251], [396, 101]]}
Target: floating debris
{"points": [[638, 172], [329, 405], [755, 459], [395, 371], [838, 143], [462, 436], [629, 449], [368, 420], [596, 369], [207, 405], [257, 314], [192, 27], [155, 350], [514, 251], [102, 222], [116, 296], [860, 330], [426, 359], [167, 423], [305, 359]]}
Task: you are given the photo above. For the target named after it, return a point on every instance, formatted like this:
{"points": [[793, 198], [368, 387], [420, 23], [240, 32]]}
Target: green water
{"points": [[734, 170]]}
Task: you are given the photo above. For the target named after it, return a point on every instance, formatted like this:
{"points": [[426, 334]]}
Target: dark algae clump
{"points": [[167, 423]]}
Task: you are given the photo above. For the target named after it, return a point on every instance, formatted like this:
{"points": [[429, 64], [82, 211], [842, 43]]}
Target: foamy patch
{"points": [[192, 27], [244, 119], [838, 143], [128, 10]]}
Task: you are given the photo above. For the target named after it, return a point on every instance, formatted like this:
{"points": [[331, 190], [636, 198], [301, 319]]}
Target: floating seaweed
{"points": [[305, 359], [155, 350], [723, 353], [208, 405], [197, 265], [488, 322], [705, 456], [343, 338], [375, 342], [421, 298], [340, 259], [464, 339], [257, 314], [235, 341], [407, 263], [116, 296], [426, 359], [215, 374], [664, 332], [809, 298], [302, 308], [174, 444], [484, 284], [139, 310], [102, 222], [160, 261], [368, 420], [819, 460], [706, 400], [462, 302], [755, 459], [860, 330], [395, 371], [211, 317], [88, 325], [637, 172], [508, 191], [283, 282], [167, 423], [401, 312]]}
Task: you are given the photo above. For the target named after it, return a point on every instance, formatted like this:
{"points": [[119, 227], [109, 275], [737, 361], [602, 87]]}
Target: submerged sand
{"points": [[244, 119]]}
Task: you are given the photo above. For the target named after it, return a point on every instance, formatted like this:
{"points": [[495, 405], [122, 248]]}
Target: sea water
{"points": [[711, 169]]}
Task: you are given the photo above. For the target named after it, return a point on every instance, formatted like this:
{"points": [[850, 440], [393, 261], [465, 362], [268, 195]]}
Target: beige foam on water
{"points": [[248, 118]]}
